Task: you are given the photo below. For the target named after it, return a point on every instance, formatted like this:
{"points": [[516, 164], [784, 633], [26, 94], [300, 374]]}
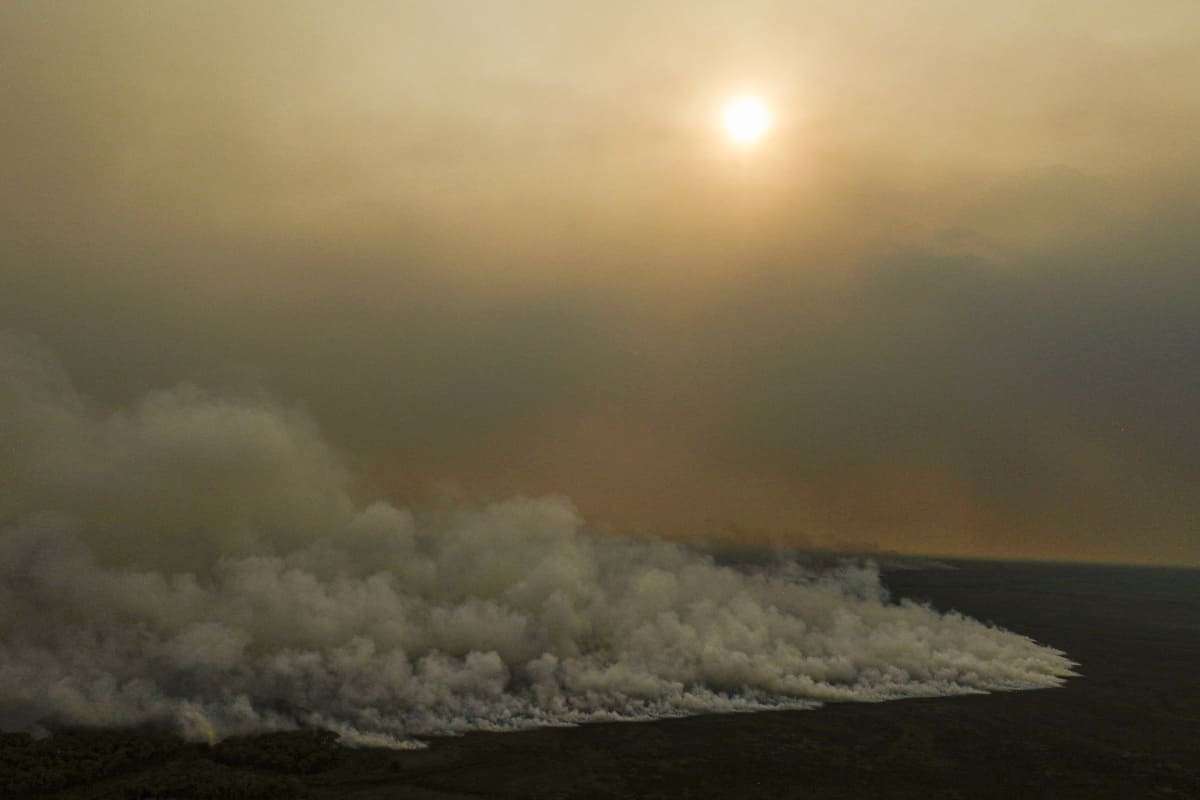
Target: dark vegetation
{"points": [[1128, 728], [296, 753], [29, 766], [146, 764]]}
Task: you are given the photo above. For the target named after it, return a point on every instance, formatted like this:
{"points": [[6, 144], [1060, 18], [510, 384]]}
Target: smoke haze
{"points": [[949, 305], [200, 560]]}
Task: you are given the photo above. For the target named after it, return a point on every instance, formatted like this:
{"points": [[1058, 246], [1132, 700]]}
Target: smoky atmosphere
{"points": [[946, 304], [538, 399]]}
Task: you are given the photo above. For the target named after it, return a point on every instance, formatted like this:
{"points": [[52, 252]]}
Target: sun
{"points": [[746, 120]]}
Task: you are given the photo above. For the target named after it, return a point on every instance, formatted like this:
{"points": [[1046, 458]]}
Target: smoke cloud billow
{"points": [[199, 561]]}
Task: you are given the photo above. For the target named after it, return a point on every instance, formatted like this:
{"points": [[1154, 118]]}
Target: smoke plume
{"points": [[199, 561]]}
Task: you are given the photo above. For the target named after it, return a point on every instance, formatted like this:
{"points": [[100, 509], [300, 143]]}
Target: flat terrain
{"points": [[1129, 727]]}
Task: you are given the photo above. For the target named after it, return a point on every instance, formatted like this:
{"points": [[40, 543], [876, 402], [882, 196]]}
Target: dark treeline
{"points": [[147, 764]]}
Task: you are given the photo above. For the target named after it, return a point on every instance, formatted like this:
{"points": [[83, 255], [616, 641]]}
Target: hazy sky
{"points": [[951, 304]]}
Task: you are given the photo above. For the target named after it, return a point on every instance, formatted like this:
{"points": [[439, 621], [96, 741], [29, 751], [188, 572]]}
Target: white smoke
{"points": [[198, 561]]}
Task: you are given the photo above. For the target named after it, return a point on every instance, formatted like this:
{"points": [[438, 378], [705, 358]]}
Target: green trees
{"points": [[31, 766], [291, 752], [149, 765]]}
